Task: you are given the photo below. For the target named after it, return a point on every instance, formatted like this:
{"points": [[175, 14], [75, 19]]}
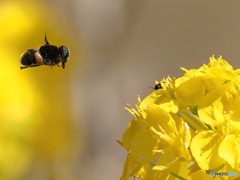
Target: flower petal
{"points": [[143, 146], [189, 91], [211, 112], [204, 147], [129, 134], [229, 150]]}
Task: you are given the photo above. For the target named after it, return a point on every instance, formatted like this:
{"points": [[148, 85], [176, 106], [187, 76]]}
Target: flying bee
{"points": [[47, 54]]}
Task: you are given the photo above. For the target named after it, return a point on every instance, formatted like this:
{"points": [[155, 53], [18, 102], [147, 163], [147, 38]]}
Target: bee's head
{"points": [[64, 55]]}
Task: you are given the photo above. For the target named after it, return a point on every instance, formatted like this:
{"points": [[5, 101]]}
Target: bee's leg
{"points": [[63, 65], [45, 39], [24, 67]]}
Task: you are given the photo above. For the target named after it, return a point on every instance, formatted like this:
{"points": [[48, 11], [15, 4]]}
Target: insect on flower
{"points": [[47, 54], [156, 87]]}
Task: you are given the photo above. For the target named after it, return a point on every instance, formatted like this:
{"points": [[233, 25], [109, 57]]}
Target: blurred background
{"points": [[60, 124]]}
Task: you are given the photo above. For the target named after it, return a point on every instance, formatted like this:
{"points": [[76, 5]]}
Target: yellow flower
{"points": [[189, 91], [207, 100], [156, 138], [132, 169], [217, 75], [220, 144]]}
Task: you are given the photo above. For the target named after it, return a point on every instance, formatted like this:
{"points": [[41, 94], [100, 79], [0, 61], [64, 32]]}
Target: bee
{"points": [[157, 86], [47, 54]]}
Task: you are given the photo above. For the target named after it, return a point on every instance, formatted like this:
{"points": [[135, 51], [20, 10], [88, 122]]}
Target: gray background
{"points": [[129, 45]]}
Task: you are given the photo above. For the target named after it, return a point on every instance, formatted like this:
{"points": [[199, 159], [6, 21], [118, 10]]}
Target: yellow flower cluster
{"points": [[188, 127]]}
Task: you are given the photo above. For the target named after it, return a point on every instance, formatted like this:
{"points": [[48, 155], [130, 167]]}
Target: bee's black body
{"points": [[50, 54], [157, 86], [46, 55]]}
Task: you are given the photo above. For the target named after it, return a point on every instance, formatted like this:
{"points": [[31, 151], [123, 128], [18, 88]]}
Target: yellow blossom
{"points": [[159, 138]]}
